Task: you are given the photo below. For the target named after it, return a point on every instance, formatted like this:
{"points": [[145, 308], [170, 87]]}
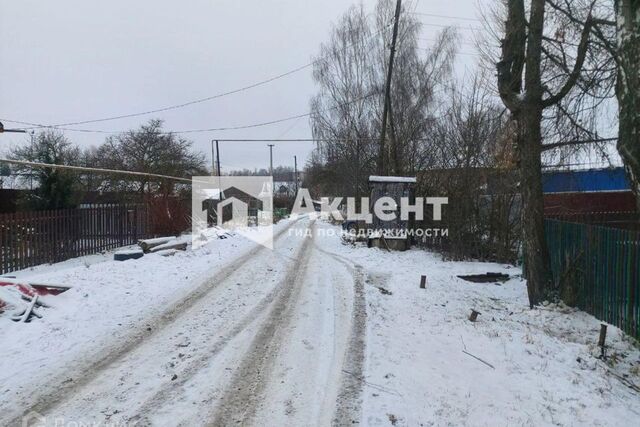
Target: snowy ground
{"points": [[545, 372], [313, 332]]}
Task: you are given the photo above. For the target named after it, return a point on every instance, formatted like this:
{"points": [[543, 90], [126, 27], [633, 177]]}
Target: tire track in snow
{"points": [[348, 405], [172, 389], [87, 370], [242, 396]]}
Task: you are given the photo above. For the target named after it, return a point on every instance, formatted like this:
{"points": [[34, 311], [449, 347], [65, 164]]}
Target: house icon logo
{"points": [[238, 204], [34, 419]]}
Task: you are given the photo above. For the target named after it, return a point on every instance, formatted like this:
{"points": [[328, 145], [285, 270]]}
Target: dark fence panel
{"points": [[31, 238], [598, 270]]}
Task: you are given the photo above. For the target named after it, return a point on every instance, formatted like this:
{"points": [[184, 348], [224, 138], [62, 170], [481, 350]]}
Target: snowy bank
{"points": [[545, 366]]}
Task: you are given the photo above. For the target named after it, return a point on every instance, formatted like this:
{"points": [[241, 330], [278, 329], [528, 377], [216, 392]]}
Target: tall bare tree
{"points": [[473, 167], [537, 73], [347, 111]]}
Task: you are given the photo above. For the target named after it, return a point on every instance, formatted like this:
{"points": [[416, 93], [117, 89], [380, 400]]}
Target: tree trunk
{"points": [[628, 89], [537, 263]]}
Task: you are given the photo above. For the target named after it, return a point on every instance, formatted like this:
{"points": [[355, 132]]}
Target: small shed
{"points": [[391, 234]]}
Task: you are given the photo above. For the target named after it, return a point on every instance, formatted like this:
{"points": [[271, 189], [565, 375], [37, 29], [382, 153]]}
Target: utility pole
{"points": [[270, 159], [295, 171], [358, 172], [387, 99], [218, 157], [213, 159]]}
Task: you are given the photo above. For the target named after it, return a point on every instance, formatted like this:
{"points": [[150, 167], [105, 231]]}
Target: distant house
{"points": [[598, 196], [284, 188]]}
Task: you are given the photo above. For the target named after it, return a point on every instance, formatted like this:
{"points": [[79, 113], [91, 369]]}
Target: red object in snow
{"points": [[32, 289]]}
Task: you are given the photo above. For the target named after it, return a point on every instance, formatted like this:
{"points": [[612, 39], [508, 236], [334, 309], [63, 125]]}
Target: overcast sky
{"points": [[71, 60]]}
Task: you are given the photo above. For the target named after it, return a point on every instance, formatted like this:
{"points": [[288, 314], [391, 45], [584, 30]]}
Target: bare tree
{"points": [[541, 70], [473, 167], [347, 110], [615, 46]]}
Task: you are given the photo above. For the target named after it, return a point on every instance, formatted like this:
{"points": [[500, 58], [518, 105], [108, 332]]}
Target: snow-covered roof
{"points": [[375, 178], [211, 193]]}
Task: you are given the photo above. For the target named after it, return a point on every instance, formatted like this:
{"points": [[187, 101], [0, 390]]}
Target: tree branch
{"points": [[511, 66], [555, 145], [577, 67]]}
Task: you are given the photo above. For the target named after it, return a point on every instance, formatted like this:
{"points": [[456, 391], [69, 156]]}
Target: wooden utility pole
{"points": [[270, 159], [213, 159], [382, 168], [218, 156], [357, 172], [295, 171]]}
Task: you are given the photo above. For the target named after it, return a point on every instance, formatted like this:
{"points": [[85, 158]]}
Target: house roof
{"points": [[613, 179]]}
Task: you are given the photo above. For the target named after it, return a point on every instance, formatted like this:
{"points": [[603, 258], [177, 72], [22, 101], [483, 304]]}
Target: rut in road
{"points": [[83, 372], [246, 392], [172, 390], [349, 402], [239, 402]]}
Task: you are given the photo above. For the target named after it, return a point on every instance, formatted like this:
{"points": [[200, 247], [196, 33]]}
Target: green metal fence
{"points": [[598, 270]]}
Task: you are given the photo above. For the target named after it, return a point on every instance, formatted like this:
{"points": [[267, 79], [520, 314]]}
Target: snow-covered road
{"points": [[273, 335], [314, 332]]}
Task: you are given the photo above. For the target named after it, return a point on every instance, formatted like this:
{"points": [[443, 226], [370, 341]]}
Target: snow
{"points": [[546, 371], [285, 322], [108, 302], [407, 179], [157, 240], [211, 193], [129, 252]]}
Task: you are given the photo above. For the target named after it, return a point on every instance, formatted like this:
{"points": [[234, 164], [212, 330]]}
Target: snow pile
{"points": [[545, 370], [10, 298]]}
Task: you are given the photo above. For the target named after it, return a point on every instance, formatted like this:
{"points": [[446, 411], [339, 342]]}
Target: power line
{"points": [[467, 42], [187, 131], [435, 15], [292, 139], [456, 53], [196, 101], [429, 24]]}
